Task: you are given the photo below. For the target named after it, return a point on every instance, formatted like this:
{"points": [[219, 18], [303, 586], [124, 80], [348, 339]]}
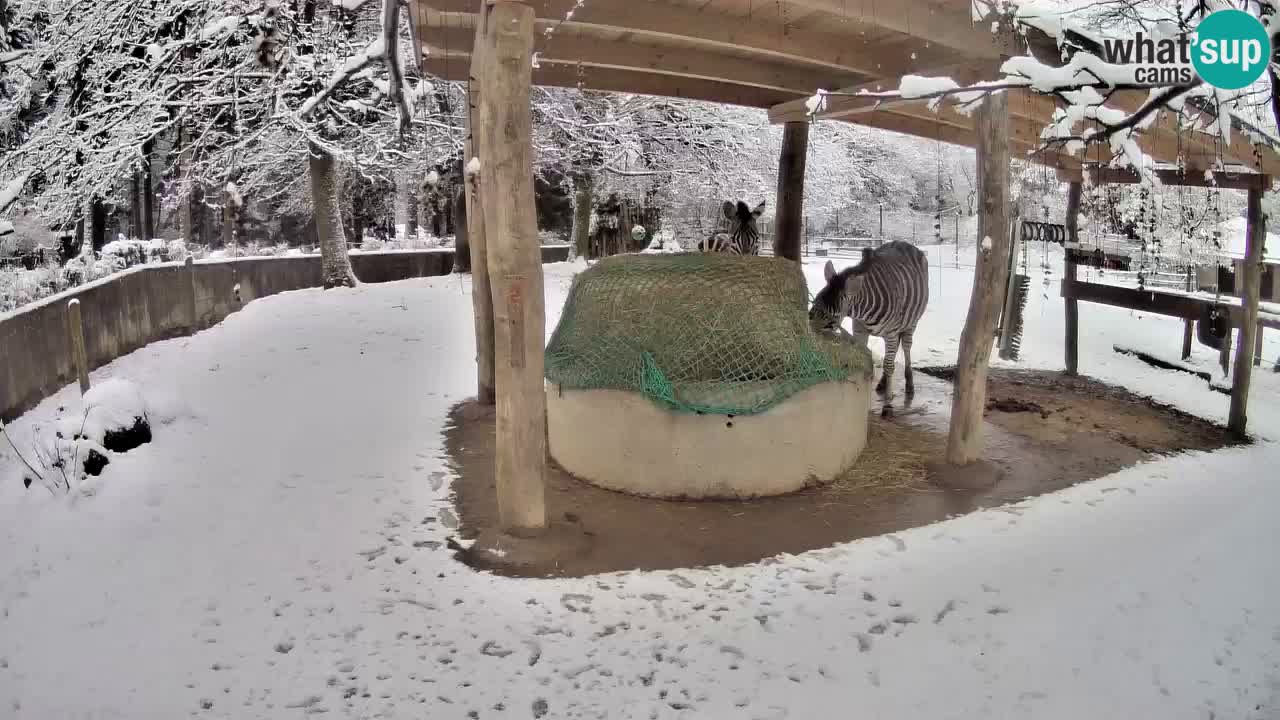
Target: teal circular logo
{"points": [[1231, 49]]}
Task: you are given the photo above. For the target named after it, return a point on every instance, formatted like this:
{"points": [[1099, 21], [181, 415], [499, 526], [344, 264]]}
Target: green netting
{"points": [[700, 332]]}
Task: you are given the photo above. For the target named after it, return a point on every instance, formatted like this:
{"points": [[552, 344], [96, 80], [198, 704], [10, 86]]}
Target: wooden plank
{"points": [[708, 28], [565, 48], [791, 165], [504, 125], [964, 441], [1179, 306], [949, 25], [1243, 181], [1071, 345], [629, 81], [481, 292], [1238, 418]]}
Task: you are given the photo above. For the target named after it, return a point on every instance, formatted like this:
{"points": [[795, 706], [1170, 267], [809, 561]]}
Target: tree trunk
{"points": [[515, 265], [791, 164], [229, 214], [148, 194], [583, 199], [334, 262], [964, 442], [135, 206], [425, 210], [98, 224], [582, 203], [186, 219], [461, 244], [402, 206], [1069, 277], [1251, 272], [357, 217]]}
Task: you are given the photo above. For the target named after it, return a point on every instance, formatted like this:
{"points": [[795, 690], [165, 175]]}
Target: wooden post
{"points": [[1188, 326], [1072, 340], [1006, 319], [504, 127], [189, 270], [964, 441], [1249, 292], [78, 356], [1257, 347], [791, 163], [481, 293]]}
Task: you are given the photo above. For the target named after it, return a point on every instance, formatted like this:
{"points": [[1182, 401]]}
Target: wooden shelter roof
{"points": [[774, 54]]}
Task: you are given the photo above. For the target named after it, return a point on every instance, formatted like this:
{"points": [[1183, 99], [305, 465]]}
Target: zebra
{"points": [[737, 234], [885, 295]]}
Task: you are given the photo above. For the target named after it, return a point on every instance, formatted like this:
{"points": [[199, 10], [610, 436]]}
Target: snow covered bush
{"points": [[80, 444]]}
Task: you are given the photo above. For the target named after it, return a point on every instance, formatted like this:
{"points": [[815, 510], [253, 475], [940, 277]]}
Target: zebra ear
{"points": [[727, 209], [828, 271], [759, 209]]}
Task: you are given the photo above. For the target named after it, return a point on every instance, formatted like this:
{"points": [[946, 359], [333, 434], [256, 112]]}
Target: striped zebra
{"points": [[885, 295], [737, 234]]}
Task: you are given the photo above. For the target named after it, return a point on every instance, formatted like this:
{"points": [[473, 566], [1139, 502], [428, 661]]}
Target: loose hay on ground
{"points": [[893, 461]]}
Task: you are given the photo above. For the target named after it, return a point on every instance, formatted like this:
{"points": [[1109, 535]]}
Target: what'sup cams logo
{"points": [[1229, 50]]}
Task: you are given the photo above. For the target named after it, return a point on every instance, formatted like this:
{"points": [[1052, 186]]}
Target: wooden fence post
{"points": [[1251, 271], [515, 265], [964, 441], [1072, 340], [189, 271], [481, 292], [791, 164], [75, 330]]}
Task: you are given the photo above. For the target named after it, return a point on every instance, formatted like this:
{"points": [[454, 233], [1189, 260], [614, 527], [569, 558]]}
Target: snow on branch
{"points": [[10, 192], [375, 51]]}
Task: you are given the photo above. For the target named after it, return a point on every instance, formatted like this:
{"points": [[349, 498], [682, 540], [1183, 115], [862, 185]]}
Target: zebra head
{"points": [[832, 303], [738, 233]]}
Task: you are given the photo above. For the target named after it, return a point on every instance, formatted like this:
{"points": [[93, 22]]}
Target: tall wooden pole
{"points": [[481, 293], [791, 163], [504, 127], [75, 331], [964, 442], [1249, 292], [1072, 343]]}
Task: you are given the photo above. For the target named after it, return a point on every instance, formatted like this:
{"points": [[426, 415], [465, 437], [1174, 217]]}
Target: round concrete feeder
{"points": [[624, 441]]}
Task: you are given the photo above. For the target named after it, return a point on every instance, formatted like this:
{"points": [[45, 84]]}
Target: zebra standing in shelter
{"points": [[737, 234], [885, 295]]}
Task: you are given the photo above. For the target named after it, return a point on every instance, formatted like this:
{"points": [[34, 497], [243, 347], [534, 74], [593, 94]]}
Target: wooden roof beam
{"points": [[942, 23], [626, 81], [714, 30], [565, 48], [839, 107]]}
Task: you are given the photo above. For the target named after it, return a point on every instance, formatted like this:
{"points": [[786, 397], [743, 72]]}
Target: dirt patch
{"points": [[1077, 411], [1044, 431]]}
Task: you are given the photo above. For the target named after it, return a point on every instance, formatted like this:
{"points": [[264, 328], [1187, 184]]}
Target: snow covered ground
{"points": [[277, 551]]}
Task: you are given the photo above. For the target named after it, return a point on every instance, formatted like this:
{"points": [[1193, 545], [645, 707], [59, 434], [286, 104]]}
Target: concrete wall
{"points": [[126, 311]]}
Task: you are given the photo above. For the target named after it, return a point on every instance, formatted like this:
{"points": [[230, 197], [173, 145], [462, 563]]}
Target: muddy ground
{"points": [[1044, 430]]}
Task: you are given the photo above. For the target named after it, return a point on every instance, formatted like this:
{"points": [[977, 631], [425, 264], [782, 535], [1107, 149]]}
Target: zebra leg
{"points": [[885, 388], [906, 362]]}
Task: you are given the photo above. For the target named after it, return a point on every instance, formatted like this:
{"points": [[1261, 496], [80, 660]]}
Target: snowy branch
{"points": [[391, 44], [349, 69]]}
